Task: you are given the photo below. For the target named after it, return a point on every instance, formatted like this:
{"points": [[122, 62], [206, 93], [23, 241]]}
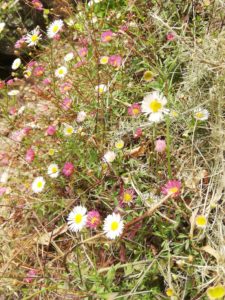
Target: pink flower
{"points": [[160, 145], [124, 28], [37, 4], [106, 36], [172, 187], [26, 130], [51, 130], [31, 274], [170, 36], [115, 60], [68, 169], [17, 136], [79, 64], [138, 133], [31, 64], [65, 87], [2, 190], [13, 110], [47, 81], [93, 219], [30, 155], [66, 103], [20, 43], [39, 71], [83, 51], [83, 41], [134, 110], [10, 82], [127, 196]]}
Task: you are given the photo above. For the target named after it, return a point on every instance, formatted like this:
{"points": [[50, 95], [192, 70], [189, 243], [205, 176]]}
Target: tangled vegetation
{"points": [[112, 152]]}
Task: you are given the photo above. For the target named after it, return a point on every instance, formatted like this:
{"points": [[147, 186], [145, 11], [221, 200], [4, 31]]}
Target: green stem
{"points": [[168, 154]]}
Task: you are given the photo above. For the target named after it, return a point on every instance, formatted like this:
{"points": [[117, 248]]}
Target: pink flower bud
{"points": [[47, 81], [30, 155], [68, 169], [170, 36], [12, 110], [160, 145], [138, 133], [51, 130], [31, 274]]}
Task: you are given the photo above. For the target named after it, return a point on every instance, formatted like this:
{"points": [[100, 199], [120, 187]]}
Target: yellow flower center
{"points": [[101, 90], [148, 76], [114, 225], [135, 111], [54, 170], [169, 292], [127, 197], [55, 28], [104, 60], [119, 145], [93, 220], [201, 221], [69, 130], [108, 38], [51, 152], [216, 292], [78, 218], [39, 184], [155, 106], [173, 190], [34, 38], [61, 71], [199, 115]]}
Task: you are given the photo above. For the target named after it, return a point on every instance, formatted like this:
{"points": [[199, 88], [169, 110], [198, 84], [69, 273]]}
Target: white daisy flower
{"points": [[38, 184], [2, 26], [53, 171], [109, 156], [102, 88], [81, 116], [13, 92], [90, 3], [104, 60], [113, 226], [16, 63], [201, 221], [69, 56], [54, 28], [77, 218], [61, 72], [153, 105], [4, 177], [68, 130], [201, 114], [33, 37]]}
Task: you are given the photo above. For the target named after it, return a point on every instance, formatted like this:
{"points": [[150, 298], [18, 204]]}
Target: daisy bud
{"points": [[30, 155]]}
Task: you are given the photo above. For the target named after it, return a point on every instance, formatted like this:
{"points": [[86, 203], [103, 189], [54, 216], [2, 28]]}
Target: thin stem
{"points": [[168, 153]]}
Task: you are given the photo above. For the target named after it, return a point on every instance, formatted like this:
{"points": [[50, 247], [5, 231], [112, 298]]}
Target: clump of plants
{"points": [[112, 154]]}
